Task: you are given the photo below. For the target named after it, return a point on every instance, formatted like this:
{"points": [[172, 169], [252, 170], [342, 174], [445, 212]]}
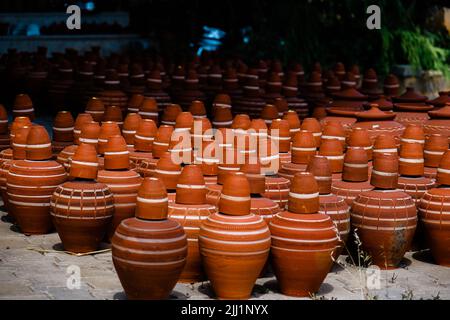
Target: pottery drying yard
{"points": [[28, 272]]}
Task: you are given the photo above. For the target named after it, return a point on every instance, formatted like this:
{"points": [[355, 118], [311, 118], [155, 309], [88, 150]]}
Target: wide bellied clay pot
{"points": [[149, 251], [415, 186], [302, 150], [23, 106], [122, 182], [63, 126], [96, 109], [190, 209], [82, 209], [130, 125], [148, 109], [302, 240], [385, 218], [435, 147], [135, 102], [113, 113], [234, 244], [31, 182], [434, 215], [170, 114], [107, 130], [154, 89], [80, 121], [143, 141]]}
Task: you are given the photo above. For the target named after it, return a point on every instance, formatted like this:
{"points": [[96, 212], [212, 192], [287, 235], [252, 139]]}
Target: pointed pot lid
{"points": [[410, 96], [349, 94], [442, 100], [442, 113], [375, 114], [383, 103], [152, 201]]}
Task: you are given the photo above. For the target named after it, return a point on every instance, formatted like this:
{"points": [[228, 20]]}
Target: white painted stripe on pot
{"points": [[394, 150], [134, 185], [19, 145], [36, 168], [302, 229], [356, 165], [304, 195], [27, 196], [333, 137], [124, 205], [435, 221], [437, 153], [358, 147], [134, 110], [111, 153], [249, 243], [86, 140], [228, 168], [236, 253], [95, 111], [29, 204], [111, 82], [412, 140], [191, 186], [277, 190], [222, 105], [145, 113], [334, 212], [171, 123], [207, 160], [146, 200], [280, 138], [303, 149], [301, 250], [318, 178], [317, 134], [123, 195], [157, 143], [386, 174], [305, 240], [383, 228], [38, 177], [148, 252], [442, 170], [154, 80], [341, 157], [428, 211], [78, 217], [10, 185], [129, 131], [84, 163], [112, 178], [301, 220], [99, 197], [268, 158], [153, 240], [234, 198], [63, 129], [409, 160], [76, 131], [23, 110], [190, 217], [391, 86], [86, 190], [167, 172], [294, 130], [222, 122], [237, 233], [383, 219]]}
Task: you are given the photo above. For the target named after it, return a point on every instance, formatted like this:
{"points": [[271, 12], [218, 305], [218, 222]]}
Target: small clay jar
{"points": [[148, 109], [359, 138], [135, 102], [197, 109], [19, 142], [170, 114], [23, 106], [385, 221], [38, 146], [190, 210], [313, 125], [221, 100], [130, 125], [116, 154], [411, 161], [180, 147], [241, 123], [63, 126], [391, 85], [320, 168], [413, 134], [183, 122], [84, 162], [149, 251], [280, 131], [269, 113], [162, 139], [384, 144], [223, 118], [107, 130], [201, 130], [302, 244], [81, 119], [96, 109], [168, 171], [228, 162], [334, 130], [90, 132], [333, 151], [435, 147], [207, 160], [143, 141], [385, 171], [294, 122], [443, 171], [356, 166], [234, 241], [113, 113], [282, 106], [303, 147]]}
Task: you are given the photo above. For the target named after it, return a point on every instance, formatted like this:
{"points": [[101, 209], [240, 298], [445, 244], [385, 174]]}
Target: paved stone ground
{"points": [[28, 274]]}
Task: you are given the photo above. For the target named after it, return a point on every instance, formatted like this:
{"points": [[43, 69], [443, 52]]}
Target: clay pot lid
{"points": [[235, 197], [171, 112], [349, 81], [84, 162], [113, 113], [269, 113], [22, 100], [241, 121], [38, 145], [148, 107], [339, 112], [95, 105], [281, 105], [152, 201], [319, 167], [90, 132], [382, 102], [136, 101], [413, 133], [222, 100], [339, 69], [184, 121], [315, 79], [349, 94], [385, 143], [191, 189], [256, 179], [304, 190], [391, 81], [410, 96], [375, 114], [166, 169], [333, 83], [412, 107], [442, 113], [145, 135], [441, 100], [197, 109], [116, 156], [64, 119]]}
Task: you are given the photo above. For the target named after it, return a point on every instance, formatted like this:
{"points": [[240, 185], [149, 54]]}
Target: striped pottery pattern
{"points": [[277, 189], [349, 190], [415, 187]]}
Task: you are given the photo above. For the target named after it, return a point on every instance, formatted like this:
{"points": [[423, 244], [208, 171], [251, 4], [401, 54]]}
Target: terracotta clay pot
{"points": [[18, 123], [333, 151], [65, 156], [269, 113], [113, 113], [23, 106], [294, 122], [168, 171], [391, 85], [96, 109], [302, 244], [221, 100], [443, 171], [334, 130], [223, 117], [130, 126], [304, 194], [312, 125], [38, 146], [433, 213], [319, 167], [411, 161], [303, 147], [441, 100], [277, 190], [385, 221], [81, 119], [117, 156], [356, 167], [107, 130], [435, 147], [197, 109], [148, 109], [385, 171], [162, 139], [84, 162], [170, 114], [90, 132], [282, 106], [30, 185], [384, 144], [415, 186], [3, 120], [63, 127], [135, 102], [155, 90], [143, 141], [234, 244], [19, 142], [413, 134], [359, 138]]}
